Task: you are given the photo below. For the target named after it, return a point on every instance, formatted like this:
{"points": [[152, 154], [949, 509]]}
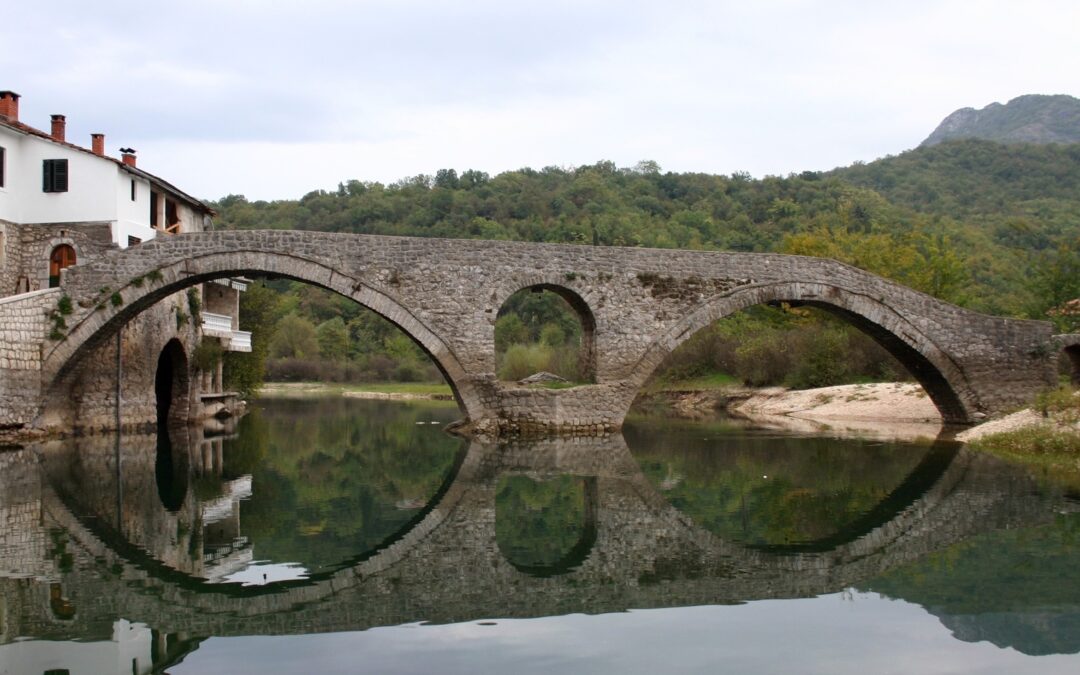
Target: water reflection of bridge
{"points": [[101, 549]]}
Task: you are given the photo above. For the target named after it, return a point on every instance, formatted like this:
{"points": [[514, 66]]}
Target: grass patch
{"points": [[1053, 453], [556, 385], [334, 389], [1063, 403]]}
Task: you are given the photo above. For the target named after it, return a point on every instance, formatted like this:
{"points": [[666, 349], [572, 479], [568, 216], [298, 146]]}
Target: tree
{"points": [[333, 339], [295, 338], [244, 372], [510, 330], [1055, 282]]}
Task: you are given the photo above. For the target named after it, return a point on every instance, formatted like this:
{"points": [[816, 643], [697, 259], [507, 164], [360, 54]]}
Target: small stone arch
{"points": [[940, 376], [140, 293], [587, 358], [171, 385]]}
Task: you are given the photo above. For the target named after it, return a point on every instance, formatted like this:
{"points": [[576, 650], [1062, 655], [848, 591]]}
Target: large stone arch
{"points": [[582, 304], [119, 306], [939, 374]]}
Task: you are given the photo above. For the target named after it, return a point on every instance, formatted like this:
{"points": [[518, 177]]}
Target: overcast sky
{"points": [[275, 99]]}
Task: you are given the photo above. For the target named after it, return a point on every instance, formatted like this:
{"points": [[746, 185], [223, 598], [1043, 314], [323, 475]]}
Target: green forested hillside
{"points": [[989, 226]]}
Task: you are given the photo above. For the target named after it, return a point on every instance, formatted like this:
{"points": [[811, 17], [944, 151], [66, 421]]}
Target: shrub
{"points": [[762, 359], [207, 354], [552, 335], [820, 359], [520, 361]]}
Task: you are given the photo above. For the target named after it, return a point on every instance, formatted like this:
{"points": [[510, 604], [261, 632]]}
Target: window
{"points": [[62, 256], [132, 189], [54, 175], [3, 161], [153, 209], [133, 240], [172, 217]]}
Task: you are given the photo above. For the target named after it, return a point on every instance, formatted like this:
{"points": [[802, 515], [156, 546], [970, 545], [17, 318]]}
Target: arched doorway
{"points": [[62, 256], [171, 385]]}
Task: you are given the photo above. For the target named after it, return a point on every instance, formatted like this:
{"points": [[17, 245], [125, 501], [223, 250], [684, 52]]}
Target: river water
{"points": [[341, 535]]}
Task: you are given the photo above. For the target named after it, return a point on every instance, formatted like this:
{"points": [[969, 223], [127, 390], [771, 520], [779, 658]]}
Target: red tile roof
{"points": [[177, 192]]}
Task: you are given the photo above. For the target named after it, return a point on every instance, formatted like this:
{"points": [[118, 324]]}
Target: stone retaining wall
{"points": [[24, 322]]}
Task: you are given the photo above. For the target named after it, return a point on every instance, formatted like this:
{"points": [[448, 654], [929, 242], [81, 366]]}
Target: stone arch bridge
{"points": [[636, 306]]}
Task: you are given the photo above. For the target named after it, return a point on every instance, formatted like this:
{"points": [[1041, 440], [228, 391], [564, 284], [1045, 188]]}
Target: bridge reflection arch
{"points": [[510, 526]]}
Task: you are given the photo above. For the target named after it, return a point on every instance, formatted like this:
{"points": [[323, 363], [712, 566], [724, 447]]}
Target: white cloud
{"points": [[300, 95]]}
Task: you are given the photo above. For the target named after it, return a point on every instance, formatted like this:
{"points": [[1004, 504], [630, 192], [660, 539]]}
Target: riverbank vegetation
{"points": [[1051, 448]]}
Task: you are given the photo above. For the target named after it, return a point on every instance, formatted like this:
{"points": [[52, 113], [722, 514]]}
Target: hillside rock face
{"points": [[1033, 118]]}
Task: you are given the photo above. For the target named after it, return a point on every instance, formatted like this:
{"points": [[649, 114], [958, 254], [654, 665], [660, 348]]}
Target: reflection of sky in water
{"points": [[264, 572], [840, 633]]}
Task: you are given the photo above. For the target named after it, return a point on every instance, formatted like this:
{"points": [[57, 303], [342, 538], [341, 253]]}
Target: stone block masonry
{"points": [[24, 322], [639, 303]]}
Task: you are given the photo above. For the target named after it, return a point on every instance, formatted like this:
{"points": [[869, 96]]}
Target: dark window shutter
{"points": [[54, 175], [60, 177]]}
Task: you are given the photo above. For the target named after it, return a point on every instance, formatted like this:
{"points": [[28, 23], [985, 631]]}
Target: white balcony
{"points": [[220, 326], [240, 341]]}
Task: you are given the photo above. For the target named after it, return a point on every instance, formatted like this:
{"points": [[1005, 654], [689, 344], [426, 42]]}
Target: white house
{"points": [[62, 203], [47, 180]]}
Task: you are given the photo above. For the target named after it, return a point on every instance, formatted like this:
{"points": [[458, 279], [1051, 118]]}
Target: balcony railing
{"points": [[240, 341], [220, 326], [213, 324]]}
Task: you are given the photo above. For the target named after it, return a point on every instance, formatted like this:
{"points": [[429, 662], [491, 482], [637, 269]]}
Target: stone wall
{"points": [[29, 248], [87, 400], [9, 240], [25, 322]]}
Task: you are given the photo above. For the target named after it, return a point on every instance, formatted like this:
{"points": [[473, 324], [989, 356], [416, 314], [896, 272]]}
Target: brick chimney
{"points": [[97, 144], [9, 105], [127, 156], [59, 127]]}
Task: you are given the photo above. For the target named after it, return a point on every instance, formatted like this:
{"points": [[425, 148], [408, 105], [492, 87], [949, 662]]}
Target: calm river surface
{"points": [[337, 535]]}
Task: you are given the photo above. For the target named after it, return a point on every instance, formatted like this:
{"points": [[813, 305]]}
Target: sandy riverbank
{"points": [[291, 389], [887, 410], [897, 410]]}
